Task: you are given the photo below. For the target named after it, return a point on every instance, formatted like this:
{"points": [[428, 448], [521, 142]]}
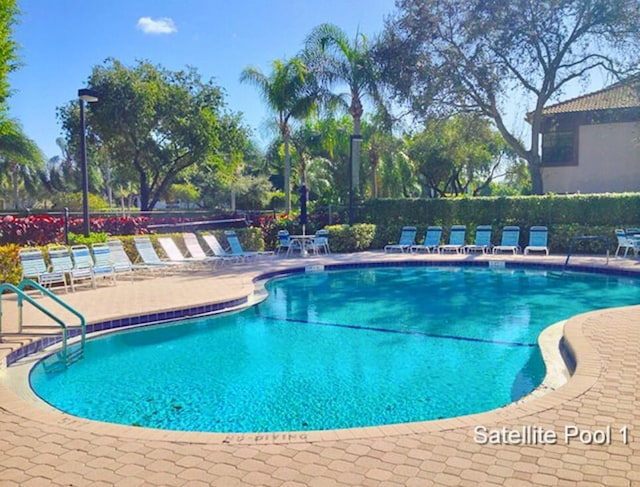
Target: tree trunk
{"points": [[144, 193], [15, 181], [374, 160]]}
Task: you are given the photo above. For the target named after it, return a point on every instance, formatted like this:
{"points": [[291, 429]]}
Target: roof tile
{"points": [[625, 94]]}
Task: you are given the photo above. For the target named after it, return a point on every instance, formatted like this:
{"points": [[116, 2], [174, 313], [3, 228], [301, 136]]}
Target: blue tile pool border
{"points": [[149, 319], [164, 317]]}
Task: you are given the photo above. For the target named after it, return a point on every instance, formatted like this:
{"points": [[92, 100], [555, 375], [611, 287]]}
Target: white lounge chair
{"points": [[35, 268], [103, 268], [482, 242], [407, 239], [510, 240], [538, 236], [174, 254], [150, 257], [219, 251], [120, 259], [456, 240], [195, 250], [61, 262], [431, 240]]}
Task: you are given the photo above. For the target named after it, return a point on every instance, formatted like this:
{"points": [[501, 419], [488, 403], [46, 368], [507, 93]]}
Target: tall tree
{"points": [[8, 56], [458, 155], [339, 60], [289, 91], [480, 55], [151, 121], [21, 161]]}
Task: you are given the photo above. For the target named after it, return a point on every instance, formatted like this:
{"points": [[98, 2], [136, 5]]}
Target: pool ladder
{"points": [[575, 240], [66, 355]]}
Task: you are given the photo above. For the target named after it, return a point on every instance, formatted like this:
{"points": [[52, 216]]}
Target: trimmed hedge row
{"points": [[595, 209], [566, 216]]}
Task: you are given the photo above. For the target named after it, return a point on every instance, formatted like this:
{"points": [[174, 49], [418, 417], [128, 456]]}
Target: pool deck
{"points": [[40, 446]]}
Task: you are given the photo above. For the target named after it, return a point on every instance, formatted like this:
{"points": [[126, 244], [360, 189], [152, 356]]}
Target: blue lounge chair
{"points": [[237, 250], [456, 240], [431, 240], [510, 240], [407, 239], [538, 236], [35, 268], [482, 241]]}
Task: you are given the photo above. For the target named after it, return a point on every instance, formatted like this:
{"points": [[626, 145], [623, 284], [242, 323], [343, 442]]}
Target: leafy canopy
{"points": [[482, 56], [154, 123]]}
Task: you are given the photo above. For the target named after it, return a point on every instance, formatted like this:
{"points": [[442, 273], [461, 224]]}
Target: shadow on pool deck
{"points": [[41, 446]]}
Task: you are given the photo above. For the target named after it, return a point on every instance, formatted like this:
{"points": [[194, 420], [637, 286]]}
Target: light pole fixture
{"points": [[354, 158], [90, 96]]}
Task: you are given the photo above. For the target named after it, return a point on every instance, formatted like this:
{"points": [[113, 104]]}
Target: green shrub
{"points": [[10, 269], [94, 237], [345, 238]]}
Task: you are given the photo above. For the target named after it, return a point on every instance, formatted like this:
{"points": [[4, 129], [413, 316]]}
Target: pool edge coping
{"points": [[586, 374]]}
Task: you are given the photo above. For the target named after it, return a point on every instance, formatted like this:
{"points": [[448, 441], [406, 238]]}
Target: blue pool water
{"points": [[335, 349]]}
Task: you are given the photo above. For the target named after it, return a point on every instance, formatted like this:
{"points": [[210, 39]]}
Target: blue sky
{"points": [[60, 41]]}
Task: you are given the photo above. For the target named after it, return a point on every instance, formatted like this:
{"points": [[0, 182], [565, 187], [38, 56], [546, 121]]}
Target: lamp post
{"points": [[90, 96], [354, 158]]}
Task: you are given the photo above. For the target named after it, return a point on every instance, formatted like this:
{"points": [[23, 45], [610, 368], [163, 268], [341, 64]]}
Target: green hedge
{"points": [[598, 209], [566, 216], [345, 238]]}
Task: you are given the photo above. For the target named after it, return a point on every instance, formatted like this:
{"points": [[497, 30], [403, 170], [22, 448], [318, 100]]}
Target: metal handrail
{"points": [[23, 296], [574, 240]]}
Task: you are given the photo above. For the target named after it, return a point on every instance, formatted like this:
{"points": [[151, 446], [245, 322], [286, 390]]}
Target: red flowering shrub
{"points": [[31, 230], [46, 229]]}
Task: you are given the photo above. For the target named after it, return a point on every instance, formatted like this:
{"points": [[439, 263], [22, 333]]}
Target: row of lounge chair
{"points": [[81, 263], [538, 236], [75, 265]]}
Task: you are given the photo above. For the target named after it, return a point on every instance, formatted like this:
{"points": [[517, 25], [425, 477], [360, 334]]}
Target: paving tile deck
{"points": [[41, 446]]}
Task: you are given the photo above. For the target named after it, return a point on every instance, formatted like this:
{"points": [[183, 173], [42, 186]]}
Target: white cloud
{"points": [[162, 25]]}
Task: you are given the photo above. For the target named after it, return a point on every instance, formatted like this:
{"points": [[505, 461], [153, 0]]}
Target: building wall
{"points": [[608, 161]]}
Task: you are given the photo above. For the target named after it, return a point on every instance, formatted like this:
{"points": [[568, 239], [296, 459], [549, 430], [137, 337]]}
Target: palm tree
{"points": [[291, 93], [20, 159], [336, 59]]}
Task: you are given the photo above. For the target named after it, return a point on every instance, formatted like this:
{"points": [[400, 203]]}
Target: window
{"points": [[558, 149]]}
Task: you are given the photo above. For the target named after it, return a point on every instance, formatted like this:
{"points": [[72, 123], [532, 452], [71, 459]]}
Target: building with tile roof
{"points": [[591, 144]]}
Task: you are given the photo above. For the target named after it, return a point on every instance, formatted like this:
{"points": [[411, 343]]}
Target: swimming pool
{"points": [[336, 349]]}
